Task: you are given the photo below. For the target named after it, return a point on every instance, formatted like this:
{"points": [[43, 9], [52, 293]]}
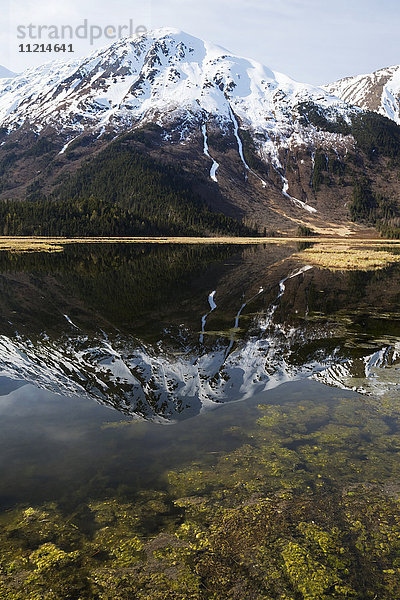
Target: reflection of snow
{"points": [[70, 322], [270, 313], [179, 377], [211, 300], [213, 306], [162, 381], [376, 374]]}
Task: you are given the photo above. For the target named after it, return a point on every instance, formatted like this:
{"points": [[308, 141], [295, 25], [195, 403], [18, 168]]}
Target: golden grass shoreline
{"points": [[348, 257], [34, 240], [57, 244]]}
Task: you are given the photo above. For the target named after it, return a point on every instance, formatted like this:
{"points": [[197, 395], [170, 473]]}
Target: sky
{"points": [[313, 41]]}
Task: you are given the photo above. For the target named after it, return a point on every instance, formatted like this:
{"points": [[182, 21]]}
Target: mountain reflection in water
{"points": [[161, 333]]}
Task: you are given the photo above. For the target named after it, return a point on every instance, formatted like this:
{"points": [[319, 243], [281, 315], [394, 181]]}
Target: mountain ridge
{"points": [[252, 143], [378, 91], [184, 73]]}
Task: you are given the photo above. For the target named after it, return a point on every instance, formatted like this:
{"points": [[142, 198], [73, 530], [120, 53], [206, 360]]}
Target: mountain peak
{"points": [[6, 73], [182, 84], [378, 91], [161, 72]]}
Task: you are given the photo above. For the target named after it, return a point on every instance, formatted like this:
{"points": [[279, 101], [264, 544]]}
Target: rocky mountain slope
{"points": [[252, 144], [161, 77], [378, 91]]}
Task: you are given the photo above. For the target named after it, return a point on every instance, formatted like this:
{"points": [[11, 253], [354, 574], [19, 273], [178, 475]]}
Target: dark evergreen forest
{"points": [[121, 192]]}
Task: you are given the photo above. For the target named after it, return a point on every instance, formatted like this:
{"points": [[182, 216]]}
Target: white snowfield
{"points": [[378, 91]]}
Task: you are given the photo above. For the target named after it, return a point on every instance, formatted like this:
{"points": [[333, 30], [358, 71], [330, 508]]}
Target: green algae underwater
{"points": [[293, 494], [304, 507]]}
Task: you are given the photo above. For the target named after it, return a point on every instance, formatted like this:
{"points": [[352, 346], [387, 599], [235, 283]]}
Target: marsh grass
{"points": [[347, 258], [57, 244], [29, 245]]}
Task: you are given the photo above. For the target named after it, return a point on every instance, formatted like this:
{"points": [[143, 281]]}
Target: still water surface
{"points": [[194, 372], [95, 338]]}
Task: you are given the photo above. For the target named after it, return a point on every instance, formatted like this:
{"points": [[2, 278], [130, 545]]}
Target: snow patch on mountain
{"points": [[215, 165], [297, 202]]}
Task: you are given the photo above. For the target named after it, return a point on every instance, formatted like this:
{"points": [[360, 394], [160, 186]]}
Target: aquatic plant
{"points": [[306, 507]]}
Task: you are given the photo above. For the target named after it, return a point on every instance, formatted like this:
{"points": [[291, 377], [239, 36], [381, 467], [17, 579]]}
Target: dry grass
{"points": [[347, 257], [19, 244], [29, 245], [43, 244]]}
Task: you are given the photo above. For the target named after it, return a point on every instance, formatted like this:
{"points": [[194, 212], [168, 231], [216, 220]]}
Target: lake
{"points": [[198, 422]]}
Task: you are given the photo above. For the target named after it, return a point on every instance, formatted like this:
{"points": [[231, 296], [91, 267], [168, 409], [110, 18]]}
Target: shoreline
{"points": [[52, 245], [15, 241]]}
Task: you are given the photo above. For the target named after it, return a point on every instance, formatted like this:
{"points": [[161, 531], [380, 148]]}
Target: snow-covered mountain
{"points": [[378, 91], [161, 76], [195, 92], [252, 143]]}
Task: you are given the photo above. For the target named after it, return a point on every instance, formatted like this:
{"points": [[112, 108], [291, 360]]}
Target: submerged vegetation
{"points": [[304, 508]]}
